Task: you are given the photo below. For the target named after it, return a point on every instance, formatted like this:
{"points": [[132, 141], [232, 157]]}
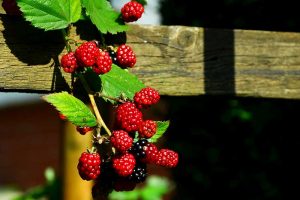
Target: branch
{"points": [[93, 102]]}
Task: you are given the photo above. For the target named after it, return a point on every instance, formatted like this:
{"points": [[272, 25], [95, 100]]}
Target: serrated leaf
{"points": [[118, 81], [162, 126], [74, 109], [104, 16], [50, 14]]}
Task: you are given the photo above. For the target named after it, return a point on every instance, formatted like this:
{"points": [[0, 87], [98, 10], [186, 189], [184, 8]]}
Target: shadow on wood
{"points": [[33, 48], [219, 72]]}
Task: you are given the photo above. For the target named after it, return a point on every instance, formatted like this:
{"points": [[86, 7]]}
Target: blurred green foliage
{"points": [[154, 189], [51, 189]]}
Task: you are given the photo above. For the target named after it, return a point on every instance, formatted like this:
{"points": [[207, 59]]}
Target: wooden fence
{"points": [[176, 60]]}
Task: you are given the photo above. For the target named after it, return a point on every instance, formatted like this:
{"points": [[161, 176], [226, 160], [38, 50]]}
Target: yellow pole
{"points": [[74, 144]]}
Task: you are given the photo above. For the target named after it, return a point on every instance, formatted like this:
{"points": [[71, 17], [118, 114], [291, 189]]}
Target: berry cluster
{"points": [[130, 159], [118, 159], [87, 54], [100, 60], [130, 141]]}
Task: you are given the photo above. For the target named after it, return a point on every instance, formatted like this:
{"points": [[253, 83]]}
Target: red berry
{"points": [[125, 56], [147, 129], [103, 63], [11, 7], [146, 97], [132, 11], [89, 166], [84, 130], [121, 140], [167, 158], [124, 164], [151, 153], [86, 54], [129, 117], [69, 62]]}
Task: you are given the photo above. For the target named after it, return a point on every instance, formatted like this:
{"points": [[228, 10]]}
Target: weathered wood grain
{"points": [[176, 60]]}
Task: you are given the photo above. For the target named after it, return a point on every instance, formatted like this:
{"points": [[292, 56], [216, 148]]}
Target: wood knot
{"points": [[186, 38]]}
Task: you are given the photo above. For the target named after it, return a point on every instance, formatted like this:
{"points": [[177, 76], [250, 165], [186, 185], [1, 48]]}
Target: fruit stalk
{"points": [[94, 105]]}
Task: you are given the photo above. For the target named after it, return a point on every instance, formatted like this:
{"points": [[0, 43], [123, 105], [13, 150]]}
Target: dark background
{"points": [[237, 148]]}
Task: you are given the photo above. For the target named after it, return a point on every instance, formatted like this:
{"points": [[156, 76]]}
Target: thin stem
{"points": [[65, 35], [71, 41], [99, 94], [102, 40], [93, 102]]}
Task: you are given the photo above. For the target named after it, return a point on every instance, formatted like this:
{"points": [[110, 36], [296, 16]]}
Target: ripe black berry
{"points": [[139, 173], [137, 148], [113, 56]]}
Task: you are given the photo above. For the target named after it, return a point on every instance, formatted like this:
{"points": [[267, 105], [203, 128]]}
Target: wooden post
{"points": [[74, 144]]}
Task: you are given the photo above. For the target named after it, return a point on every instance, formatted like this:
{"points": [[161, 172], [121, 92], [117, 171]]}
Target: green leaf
{"points": [[118, 81], [74, 109], [162, 126], [50, 14], [104, 16], [84, 2], [143, 2]]}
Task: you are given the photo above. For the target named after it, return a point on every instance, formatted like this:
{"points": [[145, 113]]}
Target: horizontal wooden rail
{"points": [[176, 60]]}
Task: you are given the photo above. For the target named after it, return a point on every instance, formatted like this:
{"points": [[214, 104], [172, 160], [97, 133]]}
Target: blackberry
{"points": [[113, 56], [132, 11], [121, 140], [151, 153], [167, 158], [89, 166], [129, 117], [86, 54], [125, 56], [103, 63], [124, 164], [69, 62], [147, 128], [138, 149], [139, 173], [146, 97]]}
